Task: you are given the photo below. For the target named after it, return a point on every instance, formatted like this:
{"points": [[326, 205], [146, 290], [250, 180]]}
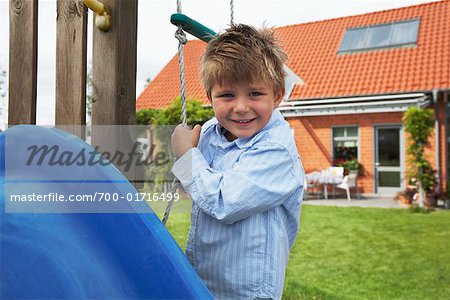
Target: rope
{"points": [[182, 40], [231, 12], [181, 37], [174, 188]]}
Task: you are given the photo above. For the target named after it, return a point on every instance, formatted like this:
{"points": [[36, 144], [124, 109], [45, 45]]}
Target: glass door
{"points": [[389, 166]]}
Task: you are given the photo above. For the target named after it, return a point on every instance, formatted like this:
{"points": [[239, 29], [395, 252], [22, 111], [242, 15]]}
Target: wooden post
{"points": [[114, 66], [71, 39], [114, 81], [22, 61]]}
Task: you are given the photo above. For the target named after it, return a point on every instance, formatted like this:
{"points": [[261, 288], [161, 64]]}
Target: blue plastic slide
{"points": [[113, 250]]}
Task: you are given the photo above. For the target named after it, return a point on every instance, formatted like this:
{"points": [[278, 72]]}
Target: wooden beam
{"points": [[71, 49], [114, 82], [114, 66], [22, 61]]}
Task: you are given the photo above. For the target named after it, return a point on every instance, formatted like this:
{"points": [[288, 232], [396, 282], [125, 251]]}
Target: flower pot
{"points": [[447, 203], [404, 199], [429, 200]]}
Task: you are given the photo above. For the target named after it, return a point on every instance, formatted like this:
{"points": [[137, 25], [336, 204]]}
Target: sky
{"points": [[156, 41]]}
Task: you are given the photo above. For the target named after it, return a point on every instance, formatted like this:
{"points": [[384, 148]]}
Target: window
{"points": [[380, 36], [345, 144]]}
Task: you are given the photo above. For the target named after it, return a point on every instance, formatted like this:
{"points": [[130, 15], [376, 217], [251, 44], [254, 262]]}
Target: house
{"points": [[358, 76]]}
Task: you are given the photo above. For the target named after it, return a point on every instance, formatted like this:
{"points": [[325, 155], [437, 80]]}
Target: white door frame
{"points": [[378, 168]]}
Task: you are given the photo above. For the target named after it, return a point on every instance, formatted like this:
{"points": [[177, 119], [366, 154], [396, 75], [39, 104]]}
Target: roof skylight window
{"points": [[380, 36]]}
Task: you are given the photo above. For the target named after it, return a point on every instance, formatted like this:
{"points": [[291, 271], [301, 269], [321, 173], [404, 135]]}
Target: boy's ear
{"points": [[278, 97]]}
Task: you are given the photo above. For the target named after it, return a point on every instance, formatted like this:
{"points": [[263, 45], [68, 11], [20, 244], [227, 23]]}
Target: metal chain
{"points": [[182, 40], [231, 12]]}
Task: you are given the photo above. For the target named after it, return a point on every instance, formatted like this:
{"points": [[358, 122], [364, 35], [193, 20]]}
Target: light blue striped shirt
{"points": [[245, 216]]}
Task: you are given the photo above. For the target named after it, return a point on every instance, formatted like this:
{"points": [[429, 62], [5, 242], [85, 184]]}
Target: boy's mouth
{"points": [[243, 122]]}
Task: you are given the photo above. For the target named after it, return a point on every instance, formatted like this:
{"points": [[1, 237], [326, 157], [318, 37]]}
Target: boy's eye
{"points": [[255, 94], [225, 95]]}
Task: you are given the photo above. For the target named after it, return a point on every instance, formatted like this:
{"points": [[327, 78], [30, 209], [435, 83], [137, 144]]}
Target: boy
{"points": [[241, 169]]}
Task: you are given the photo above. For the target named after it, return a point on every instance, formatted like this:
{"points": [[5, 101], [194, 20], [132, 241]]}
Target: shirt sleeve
{"points": [[263, 177]]}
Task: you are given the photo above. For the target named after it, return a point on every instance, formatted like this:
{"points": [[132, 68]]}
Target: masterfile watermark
{"points": [[141, 153], [53, 155], [112, 169]]}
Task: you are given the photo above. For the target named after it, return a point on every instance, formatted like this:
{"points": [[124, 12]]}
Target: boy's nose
{"points": [[241, 106]]}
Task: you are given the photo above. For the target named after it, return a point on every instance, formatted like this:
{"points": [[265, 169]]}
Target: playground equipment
{"points": [[102, 18], [46, 253], [193, 27], [184, 23], [50, 254]]}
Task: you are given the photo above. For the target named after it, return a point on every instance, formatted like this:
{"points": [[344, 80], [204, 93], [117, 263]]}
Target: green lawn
{"points": [[362, 253]]}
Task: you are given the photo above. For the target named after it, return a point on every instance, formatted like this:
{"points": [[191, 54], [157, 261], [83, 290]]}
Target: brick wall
{"points": [[313, 138]]}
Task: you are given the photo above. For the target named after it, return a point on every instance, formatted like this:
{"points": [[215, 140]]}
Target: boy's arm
{"points": [[262, 178]]}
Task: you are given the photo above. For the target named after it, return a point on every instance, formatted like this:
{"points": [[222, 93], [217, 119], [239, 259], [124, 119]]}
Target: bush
{"points": [[419, 123]]}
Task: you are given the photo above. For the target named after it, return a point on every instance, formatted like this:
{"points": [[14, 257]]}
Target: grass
{"points": [[362, 253], [370, 253]]}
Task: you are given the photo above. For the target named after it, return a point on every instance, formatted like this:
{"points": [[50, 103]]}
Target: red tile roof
{"points": [[312, 49]]}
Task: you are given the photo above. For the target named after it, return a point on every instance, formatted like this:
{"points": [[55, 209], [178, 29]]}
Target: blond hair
{"points": [[243, 55]]}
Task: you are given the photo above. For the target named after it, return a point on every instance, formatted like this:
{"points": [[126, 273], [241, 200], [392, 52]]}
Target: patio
{"points": [[366, 200]]}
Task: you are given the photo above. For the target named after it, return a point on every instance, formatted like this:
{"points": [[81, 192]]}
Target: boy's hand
{"points": [[184, 139]]}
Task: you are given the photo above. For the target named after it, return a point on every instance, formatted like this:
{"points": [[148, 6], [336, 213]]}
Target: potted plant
{"points": [[409, 194], [447, 196], [419, 124], [405, 197], [351, 166], [429, 184]]}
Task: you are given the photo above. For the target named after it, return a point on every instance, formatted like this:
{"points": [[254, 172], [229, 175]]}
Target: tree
{"points": [[169, 117], [146, 116], [419, 123], [162, 123], [195, 113]]}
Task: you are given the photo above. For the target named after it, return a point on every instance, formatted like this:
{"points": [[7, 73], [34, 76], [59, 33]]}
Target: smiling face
{"points": [[244, 110]]}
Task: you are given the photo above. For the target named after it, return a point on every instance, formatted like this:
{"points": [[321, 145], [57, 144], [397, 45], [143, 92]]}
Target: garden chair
{"points": [[349, 182], [311, 185]]}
